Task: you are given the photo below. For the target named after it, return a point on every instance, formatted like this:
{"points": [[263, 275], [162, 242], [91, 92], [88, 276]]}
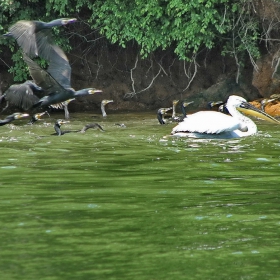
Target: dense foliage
{"points": [[184, 26]]}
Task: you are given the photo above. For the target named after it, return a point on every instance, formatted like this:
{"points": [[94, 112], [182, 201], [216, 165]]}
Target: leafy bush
{"points": [[185, 26]]}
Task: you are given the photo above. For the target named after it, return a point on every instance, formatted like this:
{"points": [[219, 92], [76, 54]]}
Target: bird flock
{"points": [[51, 88]]}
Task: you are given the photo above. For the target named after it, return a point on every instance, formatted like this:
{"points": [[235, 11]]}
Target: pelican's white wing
{"points": [[209, 122]]}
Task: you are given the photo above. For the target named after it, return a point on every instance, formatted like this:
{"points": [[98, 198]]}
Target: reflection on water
{"points": [[129, 204]]}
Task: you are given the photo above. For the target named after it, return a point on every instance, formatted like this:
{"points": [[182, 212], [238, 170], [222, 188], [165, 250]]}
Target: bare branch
{"points": [[131, 74], [224, 18], [238, 68], [151, 81], [85, 38], [162, 69], [151, 67], [133, 93], [243, 39], [253, 61], [277, 58], [185, 70], [170, 72], [169, 68], [195, 71], [5, 63], [98, 68]]}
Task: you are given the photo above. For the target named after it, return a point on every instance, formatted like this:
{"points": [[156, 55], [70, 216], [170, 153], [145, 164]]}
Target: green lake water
{"points": [[128, 204]]}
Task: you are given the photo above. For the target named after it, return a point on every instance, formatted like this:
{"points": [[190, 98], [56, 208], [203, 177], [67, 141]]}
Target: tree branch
{"points": [[195, 71], [133, 93]]}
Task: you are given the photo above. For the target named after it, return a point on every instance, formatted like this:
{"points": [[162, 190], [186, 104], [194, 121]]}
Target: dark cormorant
{"points": [[91, 125], [59, 132], [64, 106], [184, 112], [174, 104], [162, 111], [174, 117], [220, 105], [103, 104], [34, 37], [173, 108], [273, 97], [57, 126], [57, 87], [120, 125], [35, 40], [264, 102], [214, 105], [37, 117], [160, 114], [23, 96], [14, 116]]}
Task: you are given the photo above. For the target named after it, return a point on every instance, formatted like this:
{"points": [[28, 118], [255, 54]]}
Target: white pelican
{"points": [[211, 124]]}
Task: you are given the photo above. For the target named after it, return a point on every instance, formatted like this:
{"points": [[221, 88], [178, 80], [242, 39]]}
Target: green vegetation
{"points": [[186, 27]]}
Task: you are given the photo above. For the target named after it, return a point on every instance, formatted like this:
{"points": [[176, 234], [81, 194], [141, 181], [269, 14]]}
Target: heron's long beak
{"points": [[249, 109]]}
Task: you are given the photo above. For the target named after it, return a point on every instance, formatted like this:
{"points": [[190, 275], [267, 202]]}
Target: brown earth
{"points": [[115, 73]]}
